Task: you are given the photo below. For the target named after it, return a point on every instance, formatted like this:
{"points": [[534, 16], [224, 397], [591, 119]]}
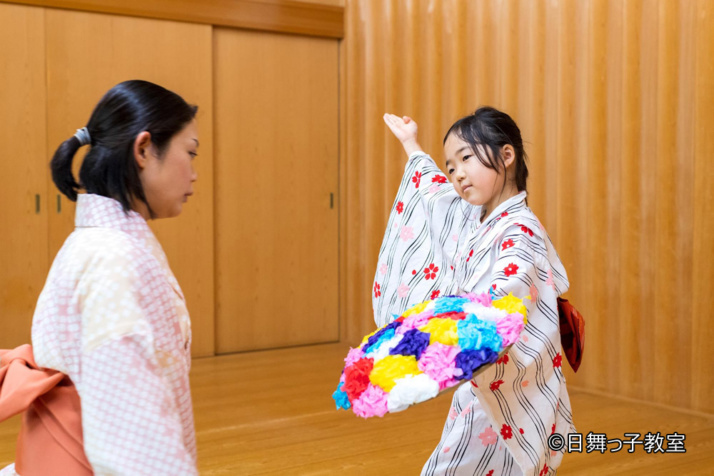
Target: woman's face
{"points": [[473, 181], [168, 179]]}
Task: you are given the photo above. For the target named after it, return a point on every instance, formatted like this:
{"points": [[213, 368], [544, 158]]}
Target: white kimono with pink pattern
{"points": [[113, 318], [436, 245]]}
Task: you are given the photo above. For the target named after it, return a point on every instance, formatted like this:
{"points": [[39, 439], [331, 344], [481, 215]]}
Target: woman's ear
{"points": [[508, 154], [142, 144]]}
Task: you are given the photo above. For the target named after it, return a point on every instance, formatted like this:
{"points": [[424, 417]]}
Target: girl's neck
{"points": [[509, 192]]}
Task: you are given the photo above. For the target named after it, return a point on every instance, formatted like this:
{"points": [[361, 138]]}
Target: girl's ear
{"points": [[508, 154], [142, 143]]}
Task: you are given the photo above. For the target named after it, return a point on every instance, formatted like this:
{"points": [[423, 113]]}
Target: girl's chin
{"points": [[472, 200]]}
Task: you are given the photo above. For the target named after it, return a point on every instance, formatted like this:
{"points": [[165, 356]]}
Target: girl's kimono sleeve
{"points": [[416, 259], [130, 418]]}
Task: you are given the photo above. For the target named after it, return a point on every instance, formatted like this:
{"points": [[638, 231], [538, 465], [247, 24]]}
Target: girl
{"points": [[111, 321], [471, 231]]}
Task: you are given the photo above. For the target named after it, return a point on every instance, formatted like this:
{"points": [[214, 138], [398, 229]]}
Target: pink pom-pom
{"points": [[372, 402], [438, 361], [353, 356], [509, 328]]}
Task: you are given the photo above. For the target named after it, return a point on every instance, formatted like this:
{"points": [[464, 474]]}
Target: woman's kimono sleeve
{"points": [[416, 259], [130, 418]]}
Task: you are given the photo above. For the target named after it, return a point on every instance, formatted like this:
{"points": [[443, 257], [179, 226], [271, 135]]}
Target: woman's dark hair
{"points": [[109, 168], [492, 129]]}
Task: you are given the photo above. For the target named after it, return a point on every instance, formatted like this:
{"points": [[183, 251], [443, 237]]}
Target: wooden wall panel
{"points": [[24, 169], [614, 101], [87, 54], [276, 167], [305, 17], [702, 352]]}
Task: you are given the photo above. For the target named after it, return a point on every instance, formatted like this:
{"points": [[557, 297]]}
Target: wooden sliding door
{"points": [[24, 170], [276, 128]]}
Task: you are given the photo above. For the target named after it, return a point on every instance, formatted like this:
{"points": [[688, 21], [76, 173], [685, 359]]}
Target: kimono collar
{"points": [[103, 212], [515, 200], [96, 211]]}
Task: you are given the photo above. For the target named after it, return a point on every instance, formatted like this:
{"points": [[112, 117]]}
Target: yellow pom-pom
{"points": [[511, 304], [418, 309], [443, 331], [392, 368]]}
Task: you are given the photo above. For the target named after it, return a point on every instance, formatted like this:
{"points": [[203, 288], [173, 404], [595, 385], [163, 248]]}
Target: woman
{"points": [[111, 318]]}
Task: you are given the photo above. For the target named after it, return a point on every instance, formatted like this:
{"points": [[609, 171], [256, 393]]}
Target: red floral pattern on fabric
{"points": [[416, 179], [471, 253], [495, 385], [557, 360], [400, 207], [510, 270], [377, 291], [552, 430], [507, 244], [504, 214], [506, 432], [435, 294], [430, 272], [544, 471], [525, 229], [438, 179], [502, 360]]}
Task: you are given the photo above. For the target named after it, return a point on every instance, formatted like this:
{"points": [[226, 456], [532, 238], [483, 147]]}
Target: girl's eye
{"points": [[465, 157], [451, 171], [193, 155]]}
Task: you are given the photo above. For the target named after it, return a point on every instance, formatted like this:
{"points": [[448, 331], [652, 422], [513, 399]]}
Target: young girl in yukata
{"points": [[111, 321], [470, 230]]}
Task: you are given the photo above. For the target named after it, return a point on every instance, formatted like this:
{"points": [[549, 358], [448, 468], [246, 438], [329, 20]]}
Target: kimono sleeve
{"points": [[130, 418], [417, 253]]}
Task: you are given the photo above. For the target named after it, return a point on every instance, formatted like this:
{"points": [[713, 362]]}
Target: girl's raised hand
{"points": [[404, 129]]}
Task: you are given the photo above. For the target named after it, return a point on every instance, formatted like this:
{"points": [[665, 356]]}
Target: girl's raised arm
{"points": [[405, 129]]}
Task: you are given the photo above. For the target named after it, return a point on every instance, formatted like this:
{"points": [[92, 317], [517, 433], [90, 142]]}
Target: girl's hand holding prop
{"points": [[429, 348]]}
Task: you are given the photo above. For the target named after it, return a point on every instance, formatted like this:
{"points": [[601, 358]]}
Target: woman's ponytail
{"points": [[61, 165]]}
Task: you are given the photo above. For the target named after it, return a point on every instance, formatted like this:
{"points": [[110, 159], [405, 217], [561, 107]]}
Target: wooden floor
{"points": [[271, 413]]}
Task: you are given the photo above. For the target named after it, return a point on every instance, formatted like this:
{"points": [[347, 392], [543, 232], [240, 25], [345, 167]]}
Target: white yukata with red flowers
{"points": [[113, 318], [436, 245]]}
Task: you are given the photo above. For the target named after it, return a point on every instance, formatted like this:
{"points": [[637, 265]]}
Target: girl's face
{"points": [[168, 180], [473, 181]]}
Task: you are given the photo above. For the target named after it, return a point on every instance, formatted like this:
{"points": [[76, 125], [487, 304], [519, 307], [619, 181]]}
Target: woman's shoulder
{"points": [[88, 248]]}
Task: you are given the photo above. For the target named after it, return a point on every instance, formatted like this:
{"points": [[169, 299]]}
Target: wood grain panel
{"points": [[87, 54], [276, 166], [24, 168], [613, 102], [702, 354], [319, 18]]}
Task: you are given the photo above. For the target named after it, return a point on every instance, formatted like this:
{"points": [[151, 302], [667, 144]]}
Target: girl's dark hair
{"points": [[492, 129], [109, 168]]}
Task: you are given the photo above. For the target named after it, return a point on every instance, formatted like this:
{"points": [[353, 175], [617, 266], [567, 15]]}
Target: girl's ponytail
{"points": [[61, 165]]}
